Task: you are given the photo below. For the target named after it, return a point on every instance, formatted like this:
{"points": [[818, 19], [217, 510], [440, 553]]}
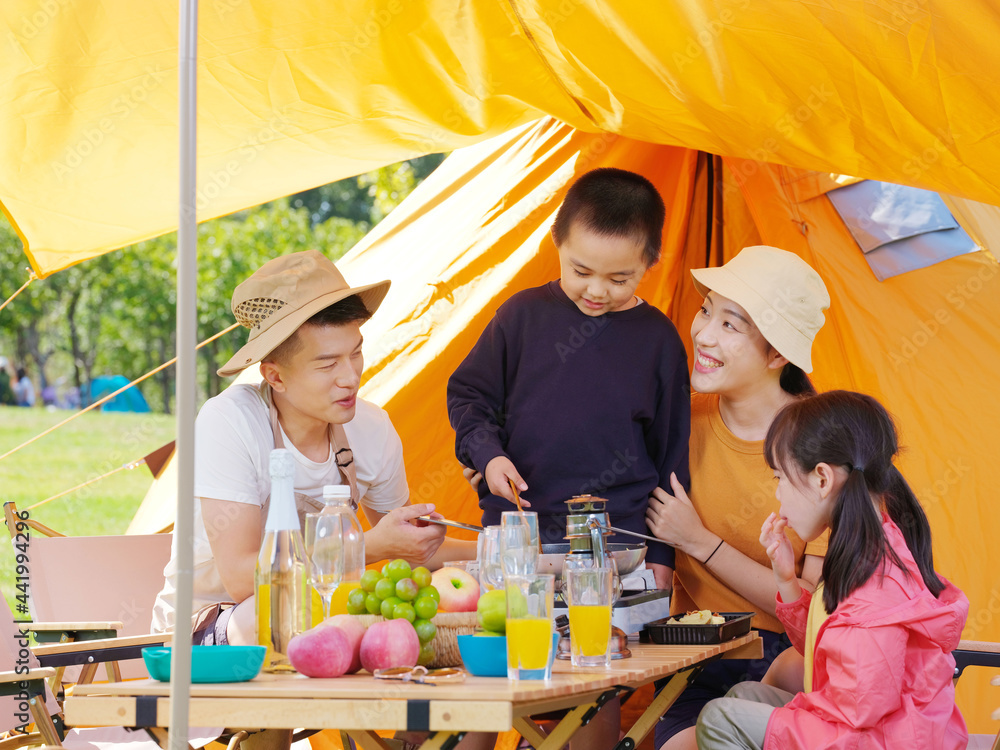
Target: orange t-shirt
{"points": [[732, 488]]}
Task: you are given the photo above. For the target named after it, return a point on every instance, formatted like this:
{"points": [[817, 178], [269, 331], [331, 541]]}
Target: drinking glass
{"points": [[490, 568], [324, 543], [519, 542], [530, 640], [589, 593]]}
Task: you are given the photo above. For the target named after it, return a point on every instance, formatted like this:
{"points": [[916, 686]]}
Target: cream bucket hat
{"points": [[783, 295]]}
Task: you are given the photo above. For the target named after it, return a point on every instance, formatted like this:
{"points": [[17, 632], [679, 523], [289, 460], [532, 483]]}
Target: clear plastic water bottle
{"points": [[283, 596], [337, 499]]}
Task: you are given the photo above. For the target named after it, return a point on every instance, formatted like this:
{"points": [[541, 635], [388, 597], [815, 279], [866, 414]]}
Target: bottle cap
{"points": [[332, 493], [282, 464]]}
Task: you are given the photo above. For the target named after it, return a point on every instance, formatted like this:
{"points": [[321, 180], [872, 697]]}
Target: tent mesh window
{"points": [[253, 312], [900, 228]]}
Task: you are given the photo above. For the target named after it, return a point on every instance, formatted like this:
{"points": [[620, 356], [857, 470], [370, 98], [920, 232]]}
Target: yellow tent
{"points": [[476, 231], [295, 95]]}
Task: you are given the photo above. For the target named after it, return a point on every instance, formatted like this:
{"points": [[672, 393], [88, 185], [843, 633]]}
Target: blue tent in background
{"points": [[130, 400]]}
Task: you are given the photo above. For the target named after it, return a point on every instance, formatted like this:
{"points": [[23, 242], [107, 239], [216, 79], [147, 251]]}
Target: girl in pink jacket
{"points": [[878, 632]]}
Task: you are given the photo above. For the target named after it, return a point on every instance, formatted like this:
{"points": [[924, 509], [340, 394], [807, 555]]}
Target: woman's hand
{"points": [[500, 472], [779, 549], [674, 519]]}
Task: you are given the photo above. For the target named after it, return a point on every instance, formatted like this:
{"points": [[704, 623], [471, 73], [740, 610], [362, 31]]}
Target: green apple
{"points": [[491, 611]]}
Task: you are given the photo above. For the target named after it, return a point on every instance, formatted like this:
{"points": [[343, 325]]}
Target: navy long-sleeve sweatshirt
{"points": [[580, 405]]}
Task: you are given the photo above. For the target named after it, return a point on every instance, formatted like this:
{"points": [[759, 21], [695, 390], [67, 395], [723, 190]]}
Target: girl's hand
{"points": [[778, 548], [674, 519]]}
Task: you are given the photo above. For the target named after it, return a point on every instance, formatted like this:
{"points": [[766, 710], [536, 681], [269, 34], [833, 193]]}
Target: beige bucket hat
{"points": [[283, 294], [783, 295]]}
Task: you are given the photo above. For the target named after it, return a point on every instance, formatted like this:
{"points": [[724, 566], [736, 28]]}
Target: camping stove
{"points": [[587, 527]]}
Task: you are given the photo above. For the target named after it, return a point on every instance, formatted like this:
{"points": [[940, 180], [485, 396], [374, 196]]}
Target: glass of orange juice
{"points": [[529, 626], [589, 593]]}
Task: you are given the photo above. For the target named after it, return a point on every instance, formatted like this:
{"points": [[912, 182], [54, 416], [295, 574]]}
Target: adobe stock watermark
{"points": [[929, 328], [217, 181], [95, 134], [622, 464], [33, 25], [370, 31], [578, 336], [697, 44]]}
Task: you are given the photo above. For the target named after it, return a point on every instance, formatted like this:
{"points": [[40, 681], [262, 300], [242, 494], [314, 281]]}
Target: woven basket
{"points": [[449, 625]]}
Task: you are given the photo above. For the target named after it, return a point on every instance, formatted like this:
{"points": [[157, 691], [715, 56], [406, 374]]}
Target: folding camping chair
{"points": [[979, 654], [92, 589]]}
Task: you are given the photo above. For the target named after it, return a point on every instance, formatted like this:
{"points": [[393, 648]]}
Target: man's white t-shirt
{"points": [[233, 444]]}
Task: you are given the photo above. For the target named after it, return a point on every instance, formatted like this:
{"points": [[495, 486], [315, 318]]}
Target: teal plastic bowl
{"points": [[209, 663], [486, 655]]}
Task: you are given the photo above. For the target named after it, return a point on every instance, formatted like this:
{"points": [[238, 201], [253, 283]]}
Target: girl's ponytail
{"points": [[904, 509], [857, 547]]}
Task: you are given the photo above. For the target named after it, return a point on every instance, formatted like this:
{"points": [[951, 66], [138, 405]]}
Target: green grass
{"points": [[87, 447]]}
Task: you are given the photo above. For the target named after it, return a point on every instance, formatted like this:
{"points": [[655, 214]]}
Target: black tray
{"points": [[663, 633]]}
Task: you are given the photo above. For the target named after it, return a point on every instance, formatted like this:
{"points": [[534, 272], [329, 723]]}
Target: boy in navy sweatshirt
{"points": [[578, 386]]}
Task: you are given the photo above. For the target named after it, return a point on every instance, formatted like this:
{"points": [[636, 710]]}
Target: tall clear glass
{"points": [[530, 638], [490, 568], [589, 593], [325, 549], [519, 542]]}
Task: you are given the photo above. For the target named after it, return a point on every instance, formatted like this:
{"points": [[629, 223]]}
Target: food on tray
{"points": [[699, 617]]}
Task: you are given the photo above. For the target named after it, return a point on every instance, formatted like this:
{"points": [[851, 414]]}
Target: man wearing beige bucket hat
{"points": [[752, 341], [305, 331]]}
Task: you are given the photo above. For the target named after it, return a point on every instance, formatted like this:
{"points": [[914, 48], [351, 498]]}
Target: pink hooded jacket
{"points": [[882, 668]]}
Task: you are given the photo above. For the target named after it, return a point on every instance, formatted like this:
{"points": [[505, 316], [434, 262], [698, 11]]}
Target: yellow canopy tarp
{"points": [[293, 95]]}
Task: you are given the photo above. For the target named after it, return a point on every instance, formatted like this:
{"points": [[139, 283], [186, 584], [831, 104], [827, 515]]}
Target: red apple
{"points": [[390, 643], [459, 591], [321, 652], [354, 631]]}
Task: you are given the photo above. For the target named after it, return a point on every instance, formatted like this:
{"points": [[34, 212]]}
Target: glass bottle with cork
{"points": [[281, 576]]}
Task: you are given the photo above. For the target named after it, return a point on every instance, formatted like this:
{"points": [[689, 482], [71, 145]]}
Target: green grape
{"points": [[368, 580], [426, 655], [356, 601], [425, 630], [406, 589], [373, 604], [404, 611], [397, 570], [421, 576], [384, 569], [388, 605], [425, 607], [431, 592], [385, 588]]}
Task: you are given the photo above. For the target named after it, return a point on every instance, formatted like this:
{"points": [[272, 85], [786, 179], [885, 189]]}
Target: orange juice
{"points": [[528, 642], [338, 604], [590, 629]]}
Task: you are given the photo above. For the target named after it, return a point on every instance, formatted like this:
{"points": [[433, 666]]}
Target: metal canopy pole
{"points": [[187, 316]]}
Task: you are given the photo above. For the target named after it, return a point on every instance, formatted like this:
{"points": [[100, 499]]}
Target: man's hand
{"points": [[499, 473], [674, 519], [399, 534]]}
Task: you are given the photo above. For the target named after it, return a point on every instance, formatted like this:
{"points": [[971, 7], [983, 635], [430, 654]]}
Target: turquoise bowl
{"points": [[209, 663], [486, 655]]}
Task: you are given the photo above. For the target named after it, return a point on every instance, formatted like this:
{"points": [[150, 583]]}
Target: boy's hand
{"points": [[499, 473], [778, 548]]}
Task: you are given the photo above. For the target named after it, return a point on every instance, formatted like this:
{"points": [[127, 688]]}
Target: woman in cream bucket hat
{"points": [[752, 341]]}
